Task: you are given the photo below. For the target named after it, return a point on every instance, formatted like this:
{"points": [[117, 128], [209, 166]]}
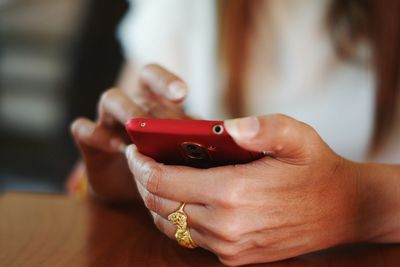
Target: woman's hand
{"points": [[301, 198], [158, 93]]}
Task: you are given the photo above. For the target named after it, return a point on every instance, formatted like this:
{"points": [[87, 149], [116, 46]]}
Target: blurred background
{"points": [[56, 57]]}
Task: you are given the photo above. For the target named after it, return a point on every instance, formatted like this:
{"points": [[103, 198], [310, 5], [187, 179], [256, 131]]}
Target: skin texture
{"points": [[300, 198]]}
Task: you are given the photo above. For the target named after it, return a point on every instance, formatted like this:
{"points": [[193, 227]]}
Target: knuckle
{"points": [[151, 202], [286, 124], [228, 230], [280, 117], [232, 232], [230, 197], [229, 261], [153, 176], [309, 130], [226, 251], [290, 126]]}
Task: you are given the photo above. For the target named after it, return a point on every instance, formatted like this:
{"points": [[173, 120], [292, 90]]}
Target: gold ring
{"points": [[182, 234]]}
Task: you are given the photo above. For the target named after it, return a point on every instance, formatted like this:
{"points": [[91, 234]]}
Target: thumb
{"points": [[277, 135]]}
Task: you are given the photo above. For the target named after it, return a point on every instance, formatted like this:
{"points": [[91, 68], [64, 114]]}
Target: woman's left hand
{"points": [[301, 198]]}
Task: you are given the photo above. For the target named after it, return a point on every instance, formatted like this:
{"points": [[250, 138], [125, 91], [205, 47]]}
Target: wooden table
{"points": [[57, 230]]}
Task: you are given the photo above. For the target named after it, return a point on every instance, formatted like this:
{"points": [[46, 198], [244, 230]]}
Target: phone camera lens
{"points": [[194, 151], [218, 129]]}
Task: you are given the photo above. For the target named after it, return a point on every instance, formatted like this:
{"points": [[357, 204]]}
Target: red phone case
{"points": [[196, 143]]}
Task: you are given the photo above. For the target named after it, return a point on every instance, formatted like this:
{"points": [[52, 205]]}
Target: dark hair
{"points": [[349, 22]]}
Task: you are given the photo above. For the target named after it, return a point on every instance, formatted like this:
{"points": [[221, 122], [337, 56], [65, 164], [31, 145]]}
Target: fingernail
{"points": [[85, 130], [244, 128], [118, 145], [176, 90], [130, 151]]}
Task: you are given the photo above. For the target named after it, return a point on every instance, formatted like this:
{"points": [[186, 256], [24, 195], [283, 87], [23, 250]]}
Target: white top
{"points": [[294, 69]]}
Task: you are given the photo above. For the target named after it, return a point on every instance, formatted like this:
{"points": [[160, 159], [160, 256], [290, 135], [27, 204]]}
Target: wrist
{"points": [[378, 191]]}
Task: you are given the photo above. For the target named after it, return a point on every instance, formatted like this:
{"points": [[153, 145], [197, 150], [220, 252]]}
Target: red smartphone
{"points": [[195, 143]]}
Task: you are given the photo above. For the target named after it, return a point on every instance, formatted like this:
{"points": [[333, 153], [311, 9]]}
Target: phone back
{"points": [[196, 143]]}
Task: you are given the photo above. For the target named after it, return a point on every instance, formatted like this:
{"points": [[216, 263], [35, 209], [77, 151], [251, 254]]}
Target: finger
{"points": [[160, 108], [163, 83], [179, 183], [164, 207], [117, 107], [278, 135], [95, 136]]}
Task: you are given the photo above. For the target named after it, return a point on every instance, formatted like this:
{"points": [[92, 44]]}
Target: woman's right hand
{"points": [[102, 143]]}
